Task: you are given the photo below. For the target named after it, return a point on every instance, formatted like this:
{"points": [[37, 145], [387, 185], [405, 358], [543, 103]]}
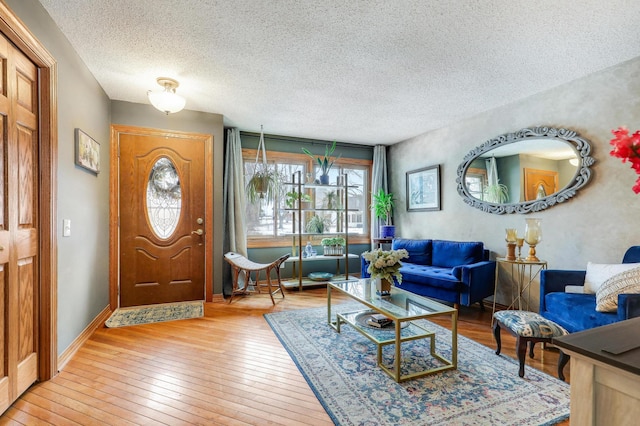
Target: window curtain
{"points": [[378, 181], [234, 196], [234, 203]]}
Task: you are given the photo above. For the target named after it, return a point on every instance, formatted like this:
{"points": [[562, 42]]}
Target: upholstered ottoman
{"points": [[528, 328]]}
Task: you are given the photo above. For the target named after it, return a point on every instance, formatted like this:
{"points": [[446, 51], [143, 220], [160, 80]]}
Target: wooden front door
{"points": [[18, 223], [162, 218]]}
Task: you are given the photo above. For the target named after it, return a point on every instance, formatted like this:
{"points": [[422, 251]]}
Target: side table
{"points": [[380, 241], [523, 273]]}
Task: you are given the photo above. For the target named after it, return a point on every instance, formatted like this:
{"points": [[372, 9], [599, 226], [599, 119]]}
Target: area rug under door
{"points": [[155, 313], [484, 390]]}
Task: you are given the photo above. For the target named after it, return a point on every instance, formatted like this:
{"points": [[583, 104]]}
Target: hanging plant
{"points": [[498, 193], [263, 183], [262, 186]]}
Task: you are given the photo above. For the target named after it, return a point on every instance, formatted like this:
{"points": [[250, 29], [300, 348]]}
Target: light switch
{"points": [[66, 227]]}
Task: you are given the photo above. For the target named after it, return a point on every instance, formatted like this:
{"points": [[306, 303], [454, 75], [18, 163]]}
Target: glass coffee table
{"points": [[402, 307]]}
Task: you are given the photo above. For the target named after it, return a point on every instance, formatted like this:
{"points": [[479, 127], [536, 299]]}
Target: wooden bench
{"points": [[242, 269]]}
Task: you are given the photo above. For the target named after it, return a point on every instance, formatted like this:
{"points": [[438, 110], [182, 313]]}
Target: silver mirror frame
{"points": [[583, 174]]}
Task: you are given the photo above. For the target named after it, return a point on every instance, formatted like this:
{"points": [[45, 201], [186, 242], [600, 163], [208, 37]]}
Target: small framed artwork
{"points": [[423, 189], [87, 152]]}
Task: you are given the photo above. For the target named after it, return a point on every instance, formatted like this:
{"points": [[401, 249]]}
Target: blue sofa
{"points": [[577, 311], [456, 272]]}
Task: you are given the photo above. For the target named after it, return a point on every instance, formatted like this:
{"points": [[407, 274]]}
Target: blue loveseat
{"points": [[452, 271], [577, 311]]}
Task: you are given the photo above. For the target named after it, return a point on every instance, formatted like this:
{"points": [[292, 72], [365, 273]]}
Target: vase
{"points": [[324, 179], [387, 231], [383, 286]]}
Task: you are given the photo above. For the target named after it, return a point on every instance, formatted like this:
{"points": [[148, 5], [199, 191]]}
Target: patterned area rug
{"points": [[155, 313], [484, 390]]}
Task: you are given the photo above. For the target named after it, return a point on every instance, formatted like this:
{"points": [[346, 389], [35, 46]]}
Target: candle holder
{"points": [[532, 236], [519, 244], [511, 237]]}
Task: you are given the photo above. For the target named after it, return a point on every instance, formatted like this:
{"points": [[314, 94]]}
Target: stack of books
{"points": [[379, 321]]}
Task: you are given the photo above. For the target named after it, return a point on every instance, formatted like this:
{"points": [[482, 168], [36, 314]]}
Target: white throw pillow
{"points": [[597, 273], [624, 282]]}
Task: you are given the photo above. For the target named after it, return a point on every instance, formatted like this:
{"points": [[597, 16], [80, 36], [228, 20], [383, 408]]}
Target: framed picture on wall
{"points": [[423, 189], [87, 152]]}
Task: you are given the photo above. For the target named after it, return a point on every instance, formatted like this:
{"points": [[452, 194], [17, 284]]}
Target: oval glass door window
{"points": [[164, 198]]}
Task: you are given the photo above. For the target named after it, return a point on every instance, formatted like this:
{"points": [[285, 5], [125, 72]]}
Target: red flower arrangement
{"points": [[628, 148]]}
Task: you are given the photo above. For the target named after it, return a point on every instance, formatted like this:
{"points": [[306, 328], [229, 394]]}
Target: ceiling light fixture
{"points": [[166, 100]]}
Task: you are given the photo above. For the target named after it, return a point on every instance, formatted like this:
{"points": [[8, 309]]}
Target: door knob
{"points": [[198, 232]]}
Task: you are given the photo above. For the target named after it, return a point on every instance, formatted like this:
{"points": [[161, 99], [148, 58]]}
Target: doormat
{"points": [[123, 317]]}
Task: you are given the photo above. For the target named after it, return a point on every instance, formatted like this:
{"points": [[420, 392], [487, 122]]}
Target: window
{"points": [[164, 198], [270, 224], [475, 180], [269, 219]]}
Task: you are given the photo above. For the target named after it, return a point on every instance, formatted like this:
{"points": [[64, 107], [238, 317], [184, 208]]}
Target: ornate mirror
{"points": [[526, 171]]}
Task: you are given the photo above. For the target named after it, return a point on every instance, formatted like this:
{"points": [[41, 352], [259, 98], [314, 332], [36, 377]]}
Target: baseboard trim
{"points": [[83, 337], [218, 298]]}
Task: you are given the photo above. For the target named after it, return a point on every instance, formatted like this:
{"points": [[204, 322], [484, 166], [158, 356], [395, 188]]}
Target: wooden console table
{"points": [[605, 373]]}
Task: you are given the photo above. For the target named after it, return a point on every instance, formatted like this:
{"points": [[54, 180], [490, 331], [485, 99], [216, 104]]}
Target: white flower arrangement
{"points": [[385, 263]]}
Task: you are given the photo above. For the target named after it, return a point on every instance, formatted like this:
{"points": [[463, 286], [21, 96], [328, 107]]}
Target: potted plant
{"points": [[263, 184], [382, 206], [265, 181], [292, 196], [316, 225], [333, 246], [498, 193], [331, 199], [324, 162]]}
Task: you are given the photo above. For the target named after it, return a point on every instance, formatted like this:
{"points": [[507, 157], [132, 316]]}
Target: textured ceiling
{"points": [[369, 72]]}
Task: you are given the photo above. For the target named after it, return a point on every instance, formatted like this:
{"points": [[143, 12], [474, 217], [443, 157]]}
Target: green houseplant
{"points": [[333, 246], [263, 184], [331, 200], [316, 224], [498, 193], [325, 162], [265, 181], [292, 196], [382, 205]]}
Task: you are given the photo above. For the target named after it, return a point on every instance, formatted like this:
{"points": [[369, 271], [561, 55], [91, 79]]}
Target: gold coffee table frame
{"points": [[401, 306]]}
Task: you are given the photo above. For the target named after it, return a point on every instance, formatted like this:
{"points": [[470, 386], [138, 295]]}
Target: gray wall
{"points": [[597, 225], [83, 197], [144, 115]]}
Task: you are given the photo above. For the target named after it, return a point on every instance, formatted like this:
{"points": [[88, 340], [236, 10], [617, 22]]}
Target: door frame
{"points": [[114, 204], [47, 310]]}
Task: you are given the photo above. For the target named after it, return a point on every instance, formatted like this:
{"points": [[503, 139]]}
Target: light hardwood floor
{"points": [[227, 368]]}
